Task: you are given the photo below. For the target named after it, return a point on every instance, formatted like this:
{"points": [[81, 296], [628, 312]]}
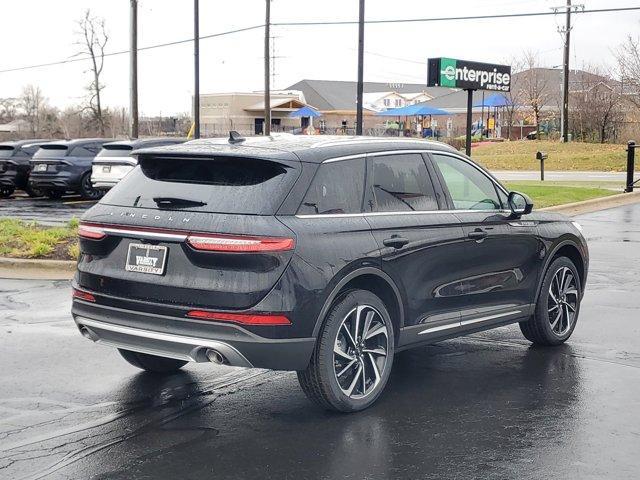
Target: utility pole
{"points": [[267, 68], [360, 87], [196, 69], [133, 71], [565, 75]]}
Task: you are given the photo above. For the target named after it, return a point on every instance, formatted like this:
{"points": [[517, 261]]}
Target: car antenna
{"points": [[235, 137]]}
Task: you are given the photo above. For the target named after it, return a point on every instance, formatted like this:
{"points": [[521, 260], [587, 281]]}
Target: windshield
{"points": [[47, 151], [6, 151], [216, 185]]}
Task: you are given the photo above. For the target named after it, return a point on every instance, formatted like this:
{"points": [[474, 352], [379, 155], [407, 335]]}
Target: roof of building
{"points": [[328, 95], [287, 147]]}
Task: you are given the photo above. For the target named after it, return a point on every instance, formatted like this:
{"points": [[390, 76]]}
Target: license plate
{"points": [[106, 169], [40, 167], [144, 258]]}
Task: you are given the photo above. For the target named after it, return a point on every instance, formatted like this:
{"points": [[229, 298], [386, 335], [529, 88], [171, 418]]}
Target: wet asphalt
{"points": [[43, 210], [487, 406]]}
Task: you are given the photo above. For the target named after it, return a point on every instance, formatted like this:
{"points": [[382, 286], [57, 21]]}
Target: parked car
{"points": [[114, 160], [15, 167], [60, 167], [323, 255]]}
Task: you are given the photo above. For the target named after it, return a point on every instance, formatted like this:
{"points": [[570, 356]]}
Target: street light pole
{"points": [[196, 69], [360, 87], [133, 70], [267, 69], [565, 76]]}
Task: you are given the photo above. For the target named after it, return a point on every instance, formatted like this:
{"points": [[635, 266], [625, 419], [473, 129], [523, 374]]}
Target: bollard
{"points": [[631, 154], [542, 156]]}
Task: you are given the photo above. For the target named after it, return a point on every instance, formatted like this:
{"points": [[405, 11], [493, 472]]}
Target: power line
{"points": [[447, 19], [340, 22], [122, 52]]}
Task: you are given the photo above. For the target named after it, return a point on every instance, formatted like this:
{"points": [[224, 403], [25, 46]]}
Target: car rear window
{"points": [[46, 151], [115, 151], [217, 185], [6, 151]]}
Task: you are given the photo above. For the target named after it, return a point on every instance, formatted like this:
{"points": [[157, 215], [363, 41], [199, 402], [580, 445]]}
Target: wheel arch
{"points": [[375, 281], [569, 249]]}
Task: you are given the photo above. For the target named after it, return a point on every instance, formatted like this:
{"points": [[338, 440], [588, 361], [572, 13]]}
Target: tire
{"points": [[6, 192], [54, 194], [558, 305], [152, 363], [373, 356], [86, 188], [34, 192]]}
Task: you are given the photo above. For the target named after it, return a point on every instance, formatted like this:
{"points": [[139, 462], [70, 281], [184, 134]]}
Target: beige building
{"points": [[244, 112]]}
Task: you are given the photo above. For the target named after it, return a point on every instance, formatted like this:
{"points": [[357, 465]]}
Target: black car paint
{"points": [[16, 168], [69, 168], [440, 275]]}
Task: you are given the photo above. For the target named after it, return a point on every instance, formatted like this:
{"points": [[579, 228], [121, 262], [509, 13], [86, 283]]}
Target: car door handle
{"points": [[395, 242], [477, 234]]}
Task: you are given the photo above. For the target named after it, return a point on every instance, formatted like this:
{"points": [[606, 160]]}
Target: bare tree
{"points": [[31, 102], [628, 56], [8, 109], [533, 87], [93, 39]]}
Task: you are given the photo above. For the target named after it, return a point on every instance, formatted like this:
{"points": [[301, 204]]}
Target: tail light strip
{"points": [[201, 242], [82, 295], [240, 318]]}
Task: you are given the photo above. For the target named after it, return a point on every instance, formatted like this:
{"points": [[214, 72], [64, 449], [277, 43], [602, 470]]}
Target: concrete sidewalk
{"points": [[566, 176]]}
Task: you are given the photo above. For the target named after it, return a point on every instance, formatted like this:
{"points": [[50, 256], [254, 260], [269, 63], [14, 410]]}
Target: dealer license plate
{"points": [[145, 258], [40, 167]]}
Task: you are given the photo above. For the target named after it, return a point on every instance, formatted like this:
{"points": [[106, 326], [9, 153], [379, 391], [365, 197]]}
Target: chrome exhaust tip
{"points": [[88, 333], [216, 357]]}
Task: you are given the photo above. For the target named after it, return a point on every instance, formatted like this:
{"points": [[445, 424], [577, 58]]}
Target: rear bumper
{"points": [[55, 182], [13, 179], [188, 339]]}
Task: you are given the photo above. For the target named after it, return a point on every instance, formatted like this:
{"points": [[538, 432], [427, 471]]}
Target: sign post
{"points": [[469, 76]]}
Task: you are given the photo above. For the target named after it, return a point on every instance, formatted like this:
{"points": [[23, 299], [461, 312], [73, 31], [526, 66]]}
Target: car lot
{"points": [[485, 406], [44, 210]]}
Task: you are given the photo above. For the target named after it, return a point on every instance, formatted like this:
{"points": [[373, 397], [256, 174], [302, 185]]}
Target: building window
{"points": [[387, 102], [398, 102]]}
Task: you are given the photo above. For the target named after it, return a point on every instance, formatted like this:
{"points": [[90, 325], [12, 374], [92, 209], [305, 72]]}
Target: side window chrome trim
{"points": [[377, 214]]}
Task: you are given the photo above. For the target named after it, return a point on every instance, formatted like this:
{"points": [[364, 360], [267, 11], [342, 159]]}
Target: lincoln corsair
{"points": [[15, 167], [323, 255]]}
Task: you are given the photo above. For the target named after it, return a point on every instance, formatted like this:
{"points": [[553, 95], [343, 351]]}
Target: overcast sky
{"points": [[39, 31]]}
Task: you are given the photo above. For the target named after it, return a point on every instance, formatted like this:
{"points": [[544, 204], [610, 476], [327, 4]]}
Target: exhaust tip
{"points": [[88, 333], [216, 357]]}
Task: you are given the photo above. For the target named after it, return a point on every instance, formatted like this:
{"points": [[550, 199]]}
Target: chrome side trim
{"points": [[164, 344], [463, 323], [377, 214], [489, 317], [347, 157], [123, 232], [439, 328]]}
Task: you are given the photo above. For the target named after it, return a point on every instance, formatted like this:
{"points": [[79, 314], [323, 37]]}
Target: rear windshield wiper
{"points": [[169, 202]]}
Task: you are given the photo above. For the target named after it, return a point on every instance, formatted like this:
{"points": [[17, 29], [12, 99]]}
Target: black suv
{"points": [[324, 255], [60, 167], [15, 167]]}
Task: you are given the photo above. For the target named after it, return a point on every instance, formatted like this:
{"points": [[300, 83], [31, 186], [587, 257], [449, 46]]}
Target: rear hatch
{"points": [[117, 154], [49, 158], [191, 231], [6, 152]]}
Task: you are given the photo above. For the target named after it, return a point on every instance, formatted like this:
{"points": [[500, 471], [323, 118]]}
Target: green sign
{"points": [[449, 72]]}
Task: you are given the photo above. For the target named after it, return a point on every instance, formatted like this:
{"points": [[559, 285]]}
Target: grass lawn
{"points": [[29, 240], [521, 155], [548, 194]]}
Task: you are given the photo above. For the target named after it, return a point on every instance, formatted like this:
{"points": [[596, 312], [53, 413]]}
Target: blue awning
{"points": [[306, 112], [495, 100], [411, 110]]}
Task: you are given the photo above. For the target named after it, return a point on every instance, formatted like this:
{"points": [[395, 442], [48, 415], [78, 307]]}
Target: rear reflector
{"points": [[91, 232], [82, 295], [229, 243], [240, 318]]}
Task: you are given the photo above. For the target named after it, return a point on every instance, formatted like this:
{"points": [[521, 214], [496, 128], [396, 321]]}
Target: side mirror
{"points": [[520, 204]]}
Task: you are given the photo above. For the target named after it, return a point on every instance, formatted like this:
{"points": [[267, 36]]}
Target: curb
{"points": [[34, 269], [595, 204]]}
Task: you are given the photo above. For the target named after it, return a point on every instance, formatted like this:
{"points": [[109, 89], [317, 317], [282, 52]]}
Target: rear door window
{"points": [[221, 184], [401, 183], [337, 188]]}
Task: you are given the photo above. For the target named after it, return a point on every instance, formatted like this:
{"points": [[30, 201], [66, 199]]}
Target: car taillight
{"points": [[230, 243], [91, 232], [82, 295], [240, 318]]}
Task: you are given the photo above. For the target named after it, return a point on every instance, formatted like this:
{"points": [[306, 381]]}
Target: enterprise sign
{"points": [[449, 72]]}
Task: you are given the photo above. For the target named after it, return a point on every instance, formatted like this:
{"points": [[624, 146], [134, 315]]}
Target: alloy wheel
{"points": [[360, 351], [563, 301]]}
